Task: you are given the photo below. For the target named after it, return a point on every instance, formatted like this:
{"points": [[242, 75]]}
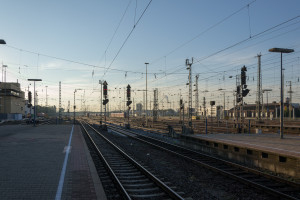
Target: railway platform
{"points": [[46, 162], [266, 151]]}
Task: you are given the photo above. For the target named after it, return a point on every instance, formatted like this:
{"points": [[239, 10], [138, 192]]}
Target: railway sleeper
{"points": [[137, 177], [144, 190], [121, 174], [144, 185], [148, 196], [128, 181]]}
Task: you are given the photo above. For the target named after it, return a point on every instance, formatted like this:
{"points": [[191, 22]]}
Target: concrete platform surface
{"points": [[37, 163], [288, 146]]}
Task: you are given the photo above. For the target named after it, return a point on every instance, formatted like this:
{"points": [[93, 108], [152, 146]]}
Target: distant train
{"points": [[120, 115]]}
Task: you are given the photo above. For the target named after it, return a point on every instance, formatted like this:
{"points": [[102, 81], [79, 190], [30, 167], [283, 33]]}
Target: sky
{"points": [[78, 43]]}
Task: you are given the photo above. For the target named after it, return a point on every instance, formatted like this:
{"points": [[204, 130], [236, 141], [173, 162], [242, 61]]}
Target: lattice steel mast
{"points": [[197, 95], [189, 67]]}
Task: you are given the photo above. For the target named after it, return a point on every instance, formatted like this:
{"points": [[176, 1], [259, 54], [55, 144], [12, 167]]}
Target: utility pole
{"points": [[100, 82], [267, 90], [105, 101], [244, 92], [59, 111], [204, 106], [224, 108], [69, 109], [290, 101], [46, 96], [197, 95], [128, 104], [189, 67], [146, 95], [259, 89], [46, 99], [155, 105]]}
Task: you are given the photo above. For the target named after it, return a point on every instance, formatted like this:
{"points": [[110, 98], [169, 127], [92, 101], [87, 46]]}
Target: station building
{"points": [[12, 101]]}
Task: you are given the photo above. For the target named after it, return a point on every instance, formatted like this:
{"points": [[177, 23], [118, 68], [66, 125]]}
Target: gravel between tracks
{"points": [[197, 182]]}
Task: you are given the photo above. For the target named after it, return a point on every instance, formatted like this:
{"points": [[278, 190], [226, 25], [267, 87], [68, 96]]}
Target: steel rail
{"points": [[110, 171], [276, 178], [148, 174], [228, 174]]}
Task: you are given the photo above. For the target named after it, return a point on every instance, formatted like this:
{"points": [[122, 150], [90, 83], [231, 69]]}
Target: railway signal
{"points": [[105, 101], [128, 92], [181, 104], [245, 92], [29, 97], [242, 93], [243, 75], [105, 89], [128, 104]]}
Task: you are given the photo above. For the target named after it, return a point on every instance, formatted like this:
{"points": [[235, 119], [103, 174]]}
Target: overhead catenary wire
{"points": [[127, 38], [206, 30]]}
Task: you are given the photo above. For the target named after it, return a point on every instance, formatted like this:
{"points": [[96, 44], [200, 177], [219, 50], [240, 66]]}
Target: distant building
{"points": [[271, 110], [139, 108], [12, 103]]}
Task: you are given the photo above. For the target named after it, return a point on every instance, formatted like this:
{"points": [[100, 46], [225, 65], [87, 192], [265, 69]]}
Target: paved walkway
{"points": [[32, 159], [289, 145]]}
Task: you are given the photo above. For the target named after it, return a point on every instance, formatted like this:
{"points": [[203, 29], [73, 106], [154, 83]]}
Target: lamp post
{"points": [[74, 103], [146, 95], [281, 50], [34, 80], [2, 42]]}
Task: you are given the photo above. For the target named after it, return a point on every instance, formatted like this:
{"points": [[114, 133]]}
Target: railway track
{"points": [[123, 177], [273, 185]]}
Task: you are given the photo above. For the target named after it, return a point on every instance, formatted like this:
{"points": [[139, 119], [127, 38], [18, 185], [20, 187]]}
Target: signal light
{"points": [[29, 97], [238, 99], [243, 75], [128, 92], [105, 101], [105, 88], [181, 104], [245, 92], [238, 89], [128, 103]]}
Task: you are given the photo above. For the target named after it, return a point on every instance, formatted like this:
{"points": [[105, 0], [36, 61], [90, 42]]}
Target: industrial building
{"points": [[12, 101]]}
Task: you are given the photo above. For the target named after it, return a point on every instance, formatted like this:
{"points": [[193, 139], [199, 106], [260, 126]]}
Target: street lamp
{"points": [[146, 95], [74, 103], [34, 80], [281, 50], [2, 42]]}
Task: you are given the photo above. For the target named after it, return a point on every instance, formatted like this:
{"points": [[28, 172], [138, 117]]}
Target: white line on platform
{"points": [[63, 170]]}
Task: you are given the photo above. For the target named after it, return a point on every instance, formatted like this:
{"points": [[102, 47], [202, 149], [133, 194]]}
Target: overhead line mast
{"points": [[189, 67]]}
